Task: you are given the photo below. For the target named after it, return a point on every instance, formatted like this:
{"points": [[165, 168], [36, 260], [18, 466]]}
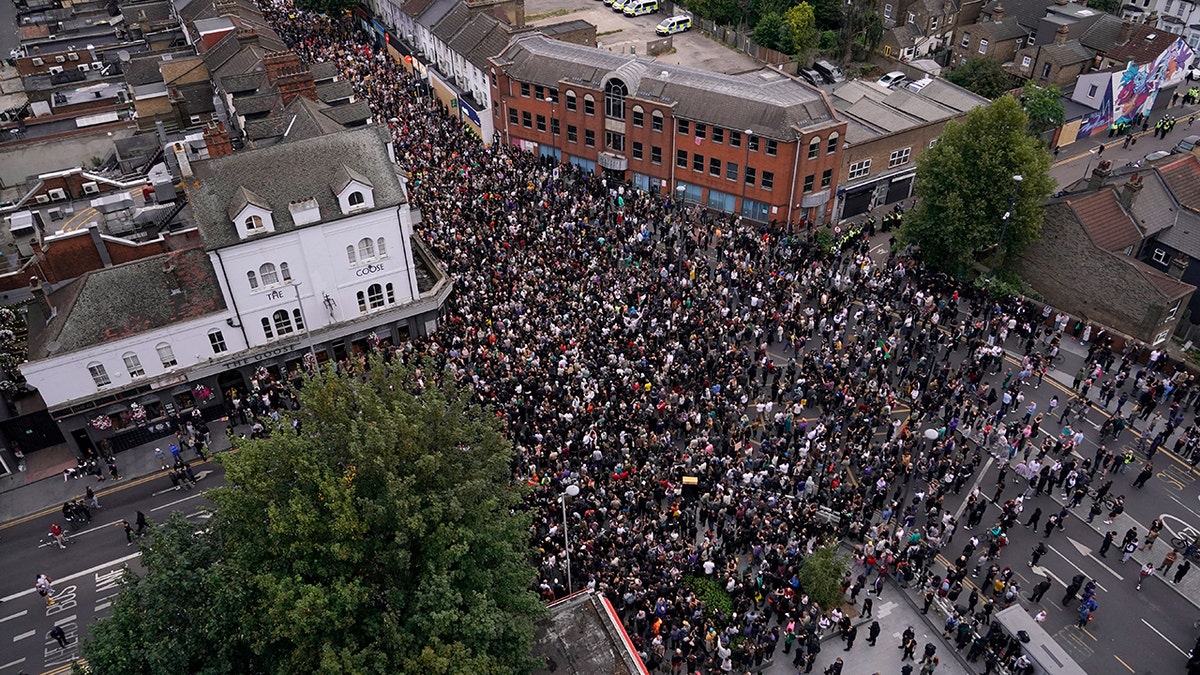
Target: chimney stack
{"points": [[1130, 190], [185, 165], [1100, 174], [1061, 35], [1126, 31], [291, 77], [41, 300], [216, 139], [998, 12]]}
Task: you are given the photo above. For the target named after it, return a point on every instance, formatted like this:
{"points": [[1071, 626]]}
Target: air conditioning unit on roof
{"points": [[58, 194]]}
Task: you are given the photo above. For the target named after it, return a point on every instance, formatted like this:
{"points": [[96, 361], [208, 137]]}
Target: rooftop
{"points": [[582, 636], [1146, 43], [1106, 221]]}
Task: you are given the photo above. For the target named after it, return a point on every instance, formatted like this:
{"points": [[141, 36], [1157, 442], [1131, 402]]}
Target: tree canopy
{"points": [[380, 538], [965, 183], [982, 76], [1043, 105], [802, 21]]}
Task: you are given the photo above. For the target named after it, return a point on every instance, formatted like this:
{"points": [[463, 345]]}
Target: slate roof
{"points": [[236, 84], [472, 34], [1007, 28], [1106, 221], [490, 45], [288, 172], [436, 12], [243, 197], [258, 103], [142, 70], [907, 35], [1067, 53], [124, 300], [452, 22], [345, 175], [1183, 179], [323, 70], [307, 119], [765, 101], [1026, 12], [349, 113], [1103, 34], [334, 91], [1146, 43]]}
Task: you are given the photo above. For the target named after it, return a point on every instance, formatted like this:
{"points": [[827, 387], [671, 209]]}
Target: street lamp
{"points": [[1012, 202], [680, 191], [571, 491], [746, 168], [553, 126]]}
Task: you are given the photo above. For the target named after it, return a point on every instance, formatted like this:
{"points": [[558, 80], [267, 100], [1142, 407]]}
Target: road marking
{"points": [[22, 636], [67, 619], [10, 664], [1088, 552], [1045, 571], [1189, 510], [177, 501], [1164, 637], [1123, 663], [97, 568], [1077, 567], [102, 606], [15, 616]]}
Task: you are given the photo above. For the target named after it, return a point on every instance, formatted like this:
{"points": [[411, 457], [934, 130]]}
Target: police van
{"points": [[640, 7], [673, 25]]}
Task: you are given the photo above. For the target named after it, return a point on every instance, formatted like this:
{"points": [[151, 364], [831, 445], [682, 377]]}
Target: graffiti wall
{"points": [[1134, 89]]}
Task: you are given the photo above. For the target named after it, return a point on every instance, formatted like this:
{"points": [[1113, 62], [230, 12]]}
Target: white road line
{"points": [[72, 535], [22, 636], [1080, 569], [65, 619], [1184, 506], [10, 664], [1164, 637], [62, 580], [177, 501], [102, 606], [15, 616]]}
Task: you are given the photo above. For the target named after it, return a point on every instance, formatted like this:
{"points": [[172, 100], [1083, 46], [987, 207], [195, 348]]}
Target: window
{"points": [[809, 181], [731, 171], [656, 121], [166, 355], [639, 151], [751, 175], [283, 323], [525, 89], [1025, 61], [381, 247], [391, 294], [366, 248], [268, 274], [615, 92], [718, 135], [768, 180], [1168, 7], [539, 92], [252, 278], [735, 139], [899, 157], [859, 169], [554, 127], [350, 255], [698, 162], [284, 272], [375, 296], [355, 199], [685, 128], [266, 324], [589, 105], [1046, 70], [614, 141], [655, 154], [933, 23], [714, 166], [1162, 337], [526, 119], [773, 147], [541, 123], [217, 341], [681, 159], [814, 147], [589, 138], [99, 375], [552, 94], [1173, 311], [1092, 89], [254, 223], [639, 116], [512, 116], [572, 133], [887, 11], [912, 18], [1160, 256], [826, 177], [832, 146], [571, 103], [966, 40], [701, 130], [298, 317], [362, 301], [133, 364], [752, 143], [983, 43]]}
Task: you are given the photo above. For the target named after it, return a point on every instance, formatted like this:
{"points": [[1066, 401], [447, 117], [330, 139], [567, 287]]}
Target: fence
{"points": [[736, 39]]}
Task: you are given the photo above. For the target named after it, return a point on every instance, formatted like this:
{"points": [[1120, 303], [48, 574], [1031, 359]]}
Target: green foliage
{"points": [[381, 539], [965, 183], [1109, 6], [828, 40], [12, 348], [824, 240], [861, 30], [327, 6], [772, 33], [1005, 284], [828, 14], [1043, 105], [716, 601], [982, 76], [802, 21], [821, 575]]}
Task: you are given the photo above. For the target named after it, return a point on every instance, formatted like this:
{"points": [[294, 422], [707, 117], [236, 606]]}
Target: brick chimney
{"points": [[1061, 35], [998, 12], [216, 139], [41, 310], [1100, 174], [247, 36], [1126, 31], [286, 73], [1130, 190], [1152, 18]]}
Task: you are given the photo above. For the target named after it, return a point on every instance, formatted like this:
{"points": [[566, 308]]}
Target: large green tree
{"points": [[381, 538], [984, 77], [1043, 105], [773, 33], [861, 30], [965, 184], [802, 21]]}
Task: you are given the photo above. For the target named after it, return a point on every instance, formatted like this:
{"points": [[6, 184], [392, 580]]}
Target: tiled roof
{"points": [[323, 70], [452, 22], [1005, 29], [289, 172], [1183, 178], [490, 45], [1105, 220], [1103, 34], [125, 300], [300, 119], [1146, 43], [334, 91], [472, 34], [1067, 53]]}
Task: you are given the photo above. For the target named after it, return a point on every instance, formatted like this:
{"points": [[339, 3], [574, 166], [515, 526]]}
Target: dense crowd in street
{"points": [[628, 341]]}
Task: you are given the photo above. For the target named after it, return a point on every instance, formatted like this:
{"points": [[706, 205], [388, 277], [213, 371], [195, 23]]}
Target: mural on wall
{"points": [[1135, 88]]}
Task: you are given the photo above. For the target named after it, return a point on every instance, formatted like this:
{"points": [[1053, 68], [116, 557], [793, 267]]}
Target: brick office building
{"points": [[761, 144]]}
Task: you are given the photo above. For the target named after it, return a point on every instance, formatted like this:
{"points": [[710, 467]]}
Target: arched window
{"points": [[615, 92], [355, 198], [268, 274], [366, 248], [283, 324], [814, 147], [832, 146], [285, 272], [253, 279], [362, 301], [254, 222], [589, 105], [656, 121], [391, 294], [350, 255], [266, 323], [99, 375], [166, 355], [375, 296], [571, 104], [298, 319], [381, 248], [133, 364], [639, 116]]}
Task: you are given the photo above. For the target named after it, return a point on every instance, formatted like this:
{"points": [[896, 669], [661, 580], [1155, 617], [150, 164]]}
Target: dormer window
{"points": [[254, 224], [356, 199], [354, 190], [250, 213]]}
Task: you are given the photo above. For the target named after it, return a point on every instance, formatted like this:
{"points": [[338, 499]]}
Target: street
{"points": [[85, 574]]}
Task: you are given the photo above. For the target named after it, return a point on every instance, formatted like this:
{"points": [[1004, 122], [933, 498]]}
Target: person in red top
{"points": [[57, 533]]}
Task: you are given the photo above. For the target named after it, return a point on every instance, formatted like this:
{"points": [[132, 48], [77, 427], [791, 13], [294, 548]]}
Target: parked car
{"points": [[1186, 144], [831, 73], [675, 24], [812, 77], [892, 79]]}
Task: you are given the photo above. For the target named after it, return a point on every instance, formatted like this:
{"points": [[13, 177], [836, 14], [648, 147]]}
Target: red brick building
{"points": [[761, 144]]}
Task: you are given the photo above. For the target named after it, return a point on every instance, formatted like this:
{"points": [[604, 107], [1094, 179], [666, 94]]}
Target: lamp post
{"points": [[746, 168], [680, 191], [571, 491], [1012, 202], [553, 127]]}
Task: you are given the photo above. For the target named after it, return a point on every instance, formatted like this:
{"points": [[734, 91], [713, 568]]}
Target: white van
{"points": [[640, 7], [674, 24]]}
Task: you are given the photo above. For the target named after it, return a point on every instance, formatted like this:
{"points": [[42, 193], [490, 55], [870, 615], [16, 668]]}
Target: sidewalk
{"points": [[42, 493]]}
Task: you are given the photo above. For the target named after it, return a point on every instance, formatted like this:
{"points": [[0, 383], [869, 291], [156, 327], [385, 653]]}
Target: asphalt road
{"points": [[85, 574]]}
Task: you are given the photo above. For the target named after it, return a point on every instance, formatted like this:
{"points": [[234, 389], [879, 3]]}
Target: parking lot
{"points": [[623, 34]]}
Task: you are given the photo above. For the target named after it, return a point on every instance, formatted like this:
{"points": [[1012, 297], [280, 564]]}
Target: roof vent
{"points": [[305, 211], [1151, 36], [666, 73]]}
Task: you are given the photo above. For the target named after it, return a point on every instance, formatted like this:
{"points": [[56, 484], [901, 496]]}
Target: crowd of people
{"points": [[628, 341]]}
